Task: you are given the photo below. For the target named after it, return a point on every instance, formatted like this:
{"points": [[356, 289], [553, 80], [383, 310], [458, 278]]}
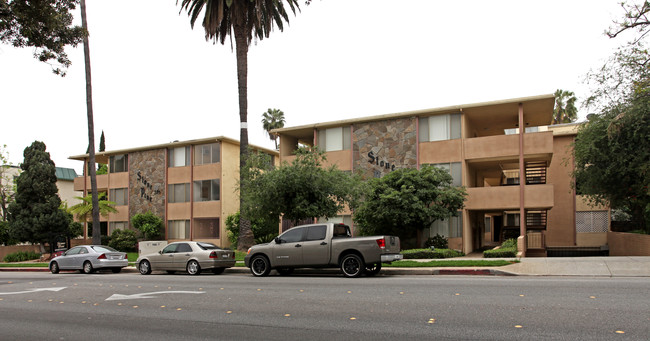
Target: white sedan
{"points": [[88, 258]]}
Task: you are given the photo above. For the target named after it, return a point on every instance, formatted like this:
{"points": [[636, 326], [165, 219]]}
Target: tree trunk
{"points": [[246, 238], [97, 238]]}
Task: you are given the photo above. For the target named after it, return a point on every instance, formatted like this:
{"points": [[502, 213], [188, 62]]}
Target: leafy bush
{"points": [[123, 240], [21, 256], [438, 242], [430, 254], [507, 250], [150, 225], [264, 230]]}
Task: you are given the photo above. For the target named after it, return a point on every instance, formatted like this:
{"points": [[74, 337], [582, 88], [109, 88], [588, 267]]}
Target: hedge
{"points": [[430, 254], [507, 250], [22, 256]]}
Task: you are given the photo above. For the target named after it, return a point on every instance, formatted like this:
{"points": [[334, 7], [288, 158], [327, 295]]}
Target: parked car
{"points": [[192, 257], [89, 258], [327, 245]]}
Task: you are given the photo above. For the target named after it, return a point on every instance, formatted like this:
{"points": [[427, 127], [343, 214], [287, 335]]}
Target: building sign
{"points": [[147, 182], [146, 188]]}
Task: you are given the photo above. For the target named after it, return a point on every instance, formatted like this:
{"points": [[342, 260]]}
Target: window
{"points": [[117, 225], [170, 248], [439, 127], [179, 156], [592, 221], [184, 248], [119, 163], [206, 153], [206, 228], [333, 139], [292, 236], [452, 227], [119, 196], [178, 229], [488, 224], [454, 168], [316, 232], [206, 190], [512, 219], [178, 193]]}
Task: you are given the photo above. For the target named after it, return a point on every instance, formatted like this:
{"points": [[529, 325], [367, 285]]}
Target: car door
{"points": [[287, 251], [315, 249], [182, 255], [67, 259], [165, 259], [78, 259]]}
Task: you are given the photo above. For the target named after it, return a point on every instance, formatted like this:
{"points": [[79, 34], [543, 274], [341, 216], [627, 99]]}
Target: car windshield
{"points": [[102, 248], [207, 246]]}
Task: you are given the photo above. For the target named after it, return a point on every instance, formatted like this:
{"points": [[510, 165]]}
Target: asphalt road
{"points": [[158, 307]]}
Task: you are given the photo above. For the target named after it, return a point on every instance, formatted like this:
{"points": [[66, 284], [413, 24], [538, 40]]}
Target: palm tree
{"points": [[91, 132], [246, 20], [565, 109], [85, 208], [273, 119]]}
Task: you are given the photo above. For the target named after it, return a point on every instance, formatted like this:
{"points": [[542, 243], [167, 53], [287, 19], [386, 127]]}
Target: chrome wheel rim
{"points": [[259, 266], [88, 267], [351, 266], [192, 268], [144, 267]]}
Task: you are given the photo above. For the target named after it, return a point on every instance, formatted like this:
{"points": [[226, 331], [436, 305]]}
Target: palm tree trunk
{"points": [[246, 238], [97, 238]]}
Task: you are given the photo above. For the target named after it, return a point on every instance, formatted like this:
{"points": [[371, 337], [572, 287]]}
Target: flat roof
{"points": [[173, 144]]}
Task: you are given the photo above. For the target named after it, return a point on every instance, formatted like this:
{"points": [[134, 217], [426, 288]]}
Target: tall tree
{"points": [[102, 143], [407, 200], [84, 209], [45, 25], [273, 119], [92, 171], [35, 215], [565, 110], [245, 20]]}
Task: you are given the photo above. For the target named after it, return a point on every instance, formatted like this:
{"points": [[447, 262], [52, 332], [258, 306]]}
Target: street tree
{"points": [[45, 25], [565, 110], [304, 189], [273, 119], [35, 215], [246, 20], [407, 200]]}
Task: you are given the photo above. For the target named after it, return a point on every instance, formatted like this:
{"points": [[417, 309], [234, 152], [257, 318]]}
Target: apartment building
{"points": [[484, 149], [189, 184]]}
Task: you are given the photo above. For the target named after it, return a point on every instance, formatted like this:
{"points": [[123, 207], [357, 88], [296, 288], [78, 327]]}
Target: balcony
{"points": [[507, 197], [502, 147]]}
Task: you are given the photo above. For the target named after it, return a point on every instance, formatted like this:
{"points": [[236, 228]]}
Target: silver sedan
{"points": [[189, 256], [88, 258]]}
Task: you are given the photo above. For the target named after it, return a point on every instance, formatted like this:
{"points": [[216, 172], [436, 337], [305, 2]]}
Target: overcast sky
{"points": [[156, 80]]}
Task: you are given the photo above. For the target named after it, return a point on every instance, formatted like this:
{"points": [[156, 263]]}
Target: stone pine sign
{"points": [[383, 146], [147, 182]]}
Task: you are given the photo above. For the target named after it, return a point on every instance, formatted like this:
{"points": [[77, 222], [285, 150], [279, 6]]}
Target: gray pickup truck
{"points": [[326, 245]]}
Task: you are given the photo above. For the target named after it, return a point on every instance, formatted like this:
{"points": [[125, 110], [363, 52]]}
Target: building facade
{"points": [[191, 185], [484, 150]]}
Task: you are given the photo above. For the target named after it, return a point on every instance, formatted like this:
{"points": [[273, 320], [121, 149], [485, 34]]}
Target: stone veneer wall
{"points": [[147, 182], [380, 147]]}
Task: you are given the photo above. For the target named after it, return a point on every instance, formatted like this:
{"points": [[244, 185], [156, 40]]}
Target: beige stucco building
{"points": [[483, 148], [189, 184]]}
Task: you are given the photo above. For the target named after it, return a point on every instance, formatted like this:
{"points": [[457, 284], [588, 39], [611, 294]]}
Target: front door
{"points": [[164, 260], [288, 250]]}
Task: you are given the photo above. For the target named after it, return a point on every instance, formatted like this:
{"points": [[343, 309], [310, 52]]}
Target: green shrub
{"points": [[123, 240], [21, 256], [430, 254], [264, 230], [150, 225], [507, 250], [438, 242]]}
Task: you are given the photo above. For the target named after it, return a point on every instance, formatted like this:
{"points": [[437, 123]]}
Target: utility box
{"points": [[152, 246]]}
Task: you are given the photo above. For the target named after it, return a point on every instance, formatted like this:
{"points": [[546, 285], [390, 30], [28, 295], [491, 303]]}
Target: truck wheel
{"points": [[352, 265], [373, 269], [260, 266]]}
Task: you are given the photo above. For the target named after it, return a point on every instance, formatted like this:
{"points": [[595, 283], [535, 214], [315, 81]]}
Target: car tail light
{"points": [[232, 255], [102, 256], [381, 243], [213, 254]]}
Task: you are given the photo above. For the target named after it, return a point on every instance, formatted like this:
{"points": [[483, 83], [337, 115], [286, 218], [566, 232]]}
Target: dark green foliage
{"points": [[306, 188], [21, 256], [45, 25], [507, 250], [438, 242], [407, 200], [5, 235], [264, 230], [430, 254], [35, 215], [123, 240], [150, 225]]}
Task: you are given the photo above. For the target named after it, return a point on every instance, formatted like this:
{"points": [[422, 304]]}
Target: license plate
{"points": [[225, 256]]}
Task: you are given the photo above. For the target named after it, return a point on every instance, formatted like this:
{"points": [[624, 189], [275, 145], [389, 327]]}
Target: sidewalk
{"points": [[628, 266]]}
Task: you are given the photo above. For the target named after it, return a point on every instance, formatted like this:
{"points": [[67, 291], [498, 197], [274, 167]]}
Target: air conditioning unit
{"points": [[153, 246]]}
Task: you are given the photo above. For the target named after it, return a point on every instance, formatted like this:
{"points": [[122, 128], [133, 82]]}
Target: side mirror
{"points": [[160, 252], [278, 240]]}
